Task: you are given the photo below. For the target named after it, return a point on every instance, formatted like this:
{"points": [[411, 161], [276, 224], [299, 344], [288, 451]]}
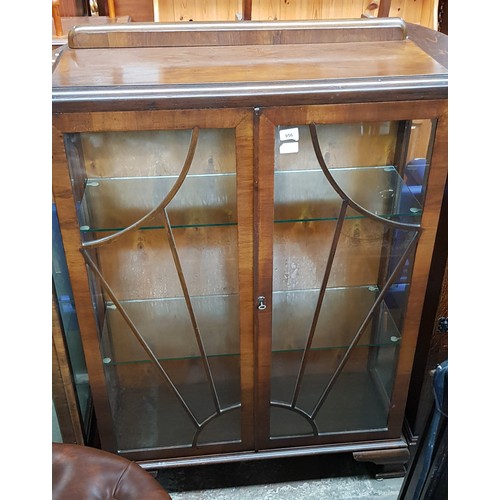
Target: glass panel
{"points": [[56, 430], [305, 196], [113, 204], [419, 156], [415, 173], [69, 326], [357, 401], [217, 313], [147, 412], [343, 144], [139, 265], [339, 286], [166, 294]]}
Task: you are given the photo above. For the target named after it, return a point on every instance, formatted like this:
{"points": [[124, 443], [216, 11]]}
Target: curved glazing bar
{"points": [[210, 419], [162, 204], [299, 411], [345, 197]]}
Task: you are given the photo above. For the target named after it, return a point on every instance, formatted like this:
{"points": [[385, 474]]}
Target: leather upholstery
{"points": [[85, 473]]}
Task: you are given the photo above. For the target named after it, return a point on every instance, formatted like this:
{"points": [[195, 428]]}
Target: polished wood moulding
{"points": [[244, 64]]}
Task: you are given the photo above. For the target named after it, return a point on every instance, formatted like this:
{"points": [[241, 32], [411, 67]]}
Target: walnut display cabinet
{"points": [[248, 213]]}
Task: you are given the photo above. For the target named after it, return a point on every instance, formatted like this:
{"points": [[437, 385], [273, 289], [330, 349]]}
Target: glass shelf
{"points": [[166, 327], [342, 312], [217, 317], [306, 195], [111, 204]]}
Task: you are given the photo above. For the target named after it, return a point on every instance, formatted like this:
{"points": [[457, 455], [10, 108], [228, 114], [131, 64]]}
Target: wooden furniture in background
{"points": [[111, 9], [423, 12], [443, 16], [217, 10], [73, 8], [56, 18], [62, 25], [249, 217], [137, 10], [326, 9]]}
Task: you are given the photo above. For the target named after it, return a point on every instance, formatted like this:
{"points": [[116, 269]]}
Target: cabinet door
{"points": [[158, 234], [348, 212]]}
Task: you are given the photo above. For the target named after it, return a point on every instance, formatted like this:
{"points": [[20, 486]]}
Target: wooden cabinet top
{"points": [[159, 65]]}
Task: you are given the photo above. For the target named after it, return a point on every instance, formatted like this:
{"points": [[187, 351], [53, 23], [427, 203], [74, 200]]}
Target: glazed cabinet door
{"points": [[157, 227], [347, 211]]}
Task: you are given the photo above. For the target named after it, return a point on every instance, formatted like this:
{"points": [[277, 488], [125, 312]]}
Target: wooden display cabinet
{"points": [[248, 213]]}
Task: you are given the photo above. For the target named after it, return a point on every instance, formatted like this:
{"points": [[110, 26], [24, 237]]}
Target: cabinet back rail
{"points": [[236, 33]]}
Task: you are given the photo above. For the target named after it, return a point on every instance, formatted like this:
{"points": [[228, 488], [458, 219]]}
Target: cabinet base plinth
{"points": [[391, 463]]}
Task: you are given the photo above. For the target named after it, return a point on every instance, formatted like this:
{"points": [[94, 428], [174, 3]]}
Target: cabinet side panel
{"points": [[78, 275], [425, 249]]}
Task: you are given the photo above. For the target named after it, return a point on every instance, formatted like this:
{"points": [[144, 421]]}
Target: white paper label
{"points": [[289, 134], [385, 128], [289, 147]]}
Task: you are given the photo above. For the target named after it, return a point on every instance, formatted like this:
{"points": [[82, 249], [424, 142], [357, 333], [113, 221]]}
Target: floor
{"points": [[320, 477]]}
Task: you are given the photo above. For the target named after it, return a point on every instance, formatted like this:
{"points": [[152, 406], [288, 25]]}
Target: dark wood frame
{"points": [[349, 113]]}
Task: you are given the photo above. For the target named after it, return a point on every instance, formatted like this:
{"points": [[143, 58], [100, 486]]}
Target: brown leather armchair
{"points": [[85, 473]]}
